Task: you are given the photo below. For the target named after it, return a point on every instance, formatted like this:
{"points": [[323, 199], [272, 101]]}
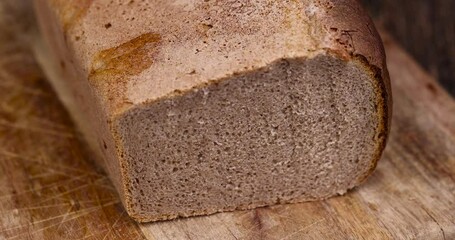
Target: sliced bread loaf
{"points": [[196, 107]]}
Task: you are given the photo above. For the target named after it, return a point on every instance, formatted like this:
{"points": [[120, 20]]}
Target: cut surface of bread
{"points": [[292, 131], [218, 108]]}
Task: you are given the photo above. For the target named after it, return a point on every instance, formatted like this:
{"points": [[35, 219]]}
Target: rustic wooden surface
{"points": [[50, 189]]}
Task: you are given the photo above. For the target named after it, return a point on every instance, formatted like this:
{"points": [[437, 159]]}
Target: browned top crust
{"points": [[135, 52]]}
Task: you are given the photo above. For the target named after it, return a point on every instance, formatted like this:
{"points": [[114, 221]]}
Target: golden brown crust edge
{"points": [[363, 44]]}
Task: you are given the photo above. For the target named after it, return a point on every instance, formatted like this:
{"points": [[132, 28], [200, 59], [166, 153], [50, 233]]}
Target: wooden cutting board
{"points": [[50, 188]]}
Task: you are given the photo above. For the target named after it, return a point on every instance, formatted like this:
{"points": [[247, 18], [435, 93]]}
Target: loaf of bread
{"points": [[201, 106]]}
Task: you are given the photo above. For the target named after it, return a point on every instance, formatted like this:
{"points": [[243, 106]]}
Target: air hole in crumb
{"points": [[107, 25]]}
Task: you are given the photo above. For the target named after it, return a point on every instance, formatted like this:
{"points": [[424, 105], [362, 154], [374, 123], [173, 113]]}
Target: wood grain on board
{"points": [[50, 189]]}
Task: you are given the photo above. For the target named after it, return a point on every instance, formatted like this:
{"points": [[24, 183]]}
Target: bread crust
{"points": [[100, 39], [362, 43]]}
